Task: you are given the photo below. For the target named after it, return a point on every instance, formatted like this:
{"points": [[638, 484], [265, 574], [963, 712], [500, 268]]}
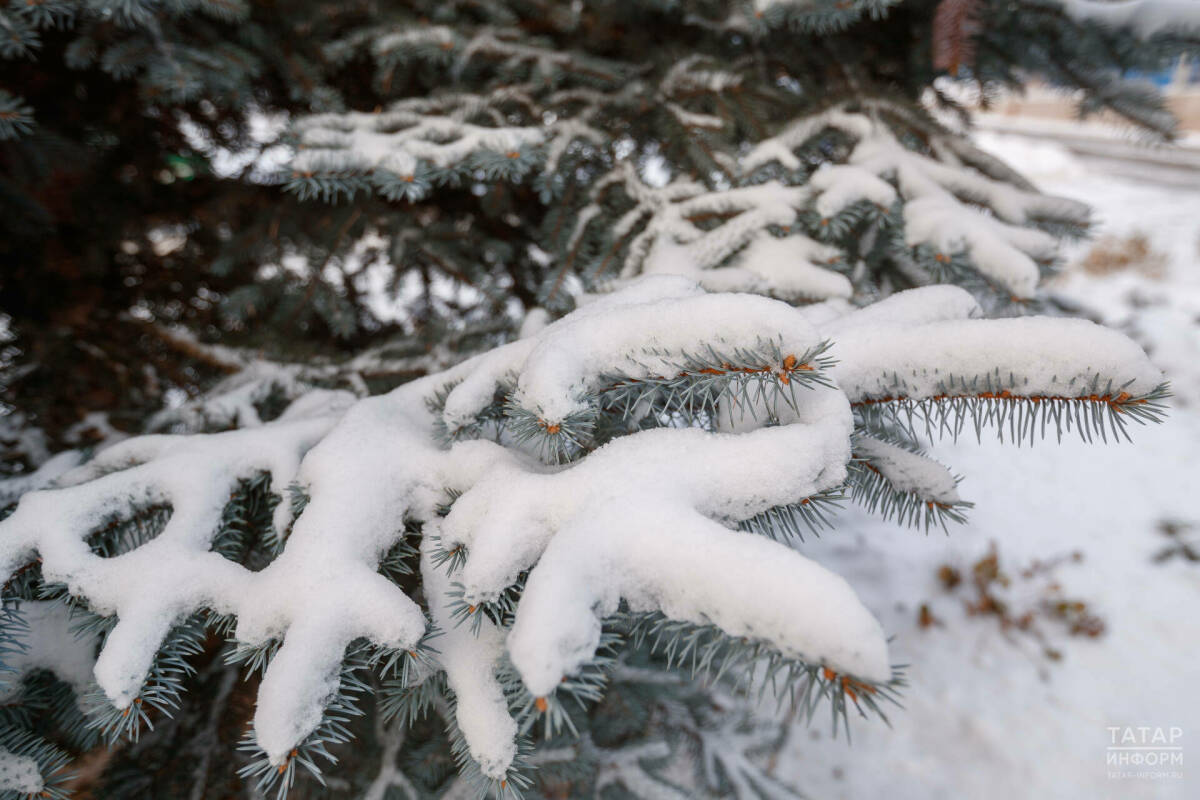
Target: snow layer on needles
{"points": [[907, 471], [471, 659], [668, 215], [645, 341], [615, 525], [482, 375], [398, 140], [993, 246], [155, 585], [780, 146], [928, 304], [509, 517], [935, 214], [786, 268], [323, 591], [842, 185], [640, 332], [1030, 356], [914, 343], [19, 774], [692, 569]]}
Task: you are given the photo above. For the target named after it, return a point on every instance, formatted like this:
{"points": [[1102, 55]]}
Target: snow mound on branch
{"points": [[788, 268], [471, 659], [569, 362], [1032, 356], [909, 472], [399, 140], [19, 773], [698, 573]]}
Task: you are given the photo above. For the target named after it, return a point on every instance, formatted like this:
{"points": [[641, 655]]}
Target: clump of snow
{"points": [[787, 268], [153, 586], [233, 401], [698, 571], [995, 248], [668, 213], [662, 226], [19, 774], [1029, 356], [930, 304], [534, 321], [727, 477], [907, 471], [780, 146], [645, 340], [842, 185], [415, 36], [471, 659]]}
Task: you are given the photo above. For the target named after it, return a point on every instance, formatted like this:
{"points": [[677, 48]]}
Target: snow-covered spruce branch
{"points": [[506, 54], [417, 144], [898, 481], [937, 211], [668, 417], [259, 389], [941, 196], [803, 16], [669, 230], [404, 151], [822, 206]]}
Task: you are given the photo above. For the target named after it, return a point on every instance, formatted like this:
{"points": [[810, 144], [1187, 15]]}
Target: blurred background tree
{"points": [[143, 145]]}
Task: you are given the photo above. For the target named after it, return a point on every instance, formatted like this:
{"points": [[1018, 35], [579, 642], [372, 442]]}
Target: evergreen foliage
{"points": [[140, 145], [355, 562]]}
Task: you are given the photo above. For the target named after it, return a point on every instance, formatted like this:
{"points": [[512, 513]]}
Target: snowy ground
{"points": [[988, 714]]}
